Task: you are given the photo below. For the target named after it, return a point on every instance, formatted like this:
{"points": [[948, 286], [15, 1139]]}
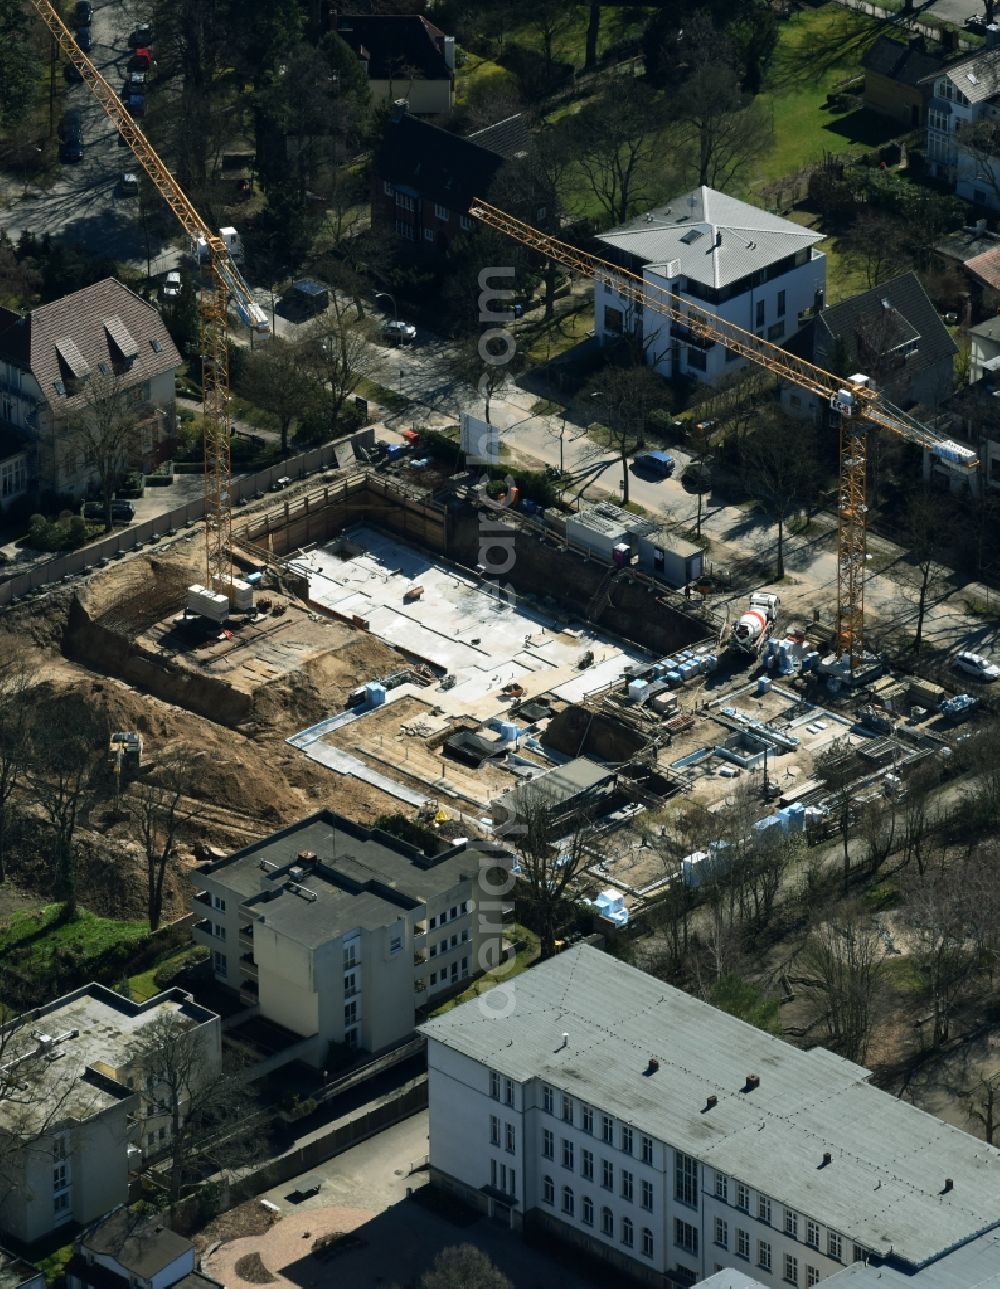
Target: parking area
{"points": [[360, 1229]]}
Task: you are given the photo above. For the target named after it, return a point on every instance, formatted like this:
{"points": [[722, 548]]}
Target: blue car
{"points": [[660, 464]]}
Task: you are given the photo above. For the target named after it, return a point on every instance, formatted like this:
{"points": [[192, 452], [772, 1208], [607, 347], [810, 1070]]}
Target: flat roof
{"points": [[884, 1186], [611, 520], [140, 1244], [361, 877], [15, 1271], [89, 1028]]}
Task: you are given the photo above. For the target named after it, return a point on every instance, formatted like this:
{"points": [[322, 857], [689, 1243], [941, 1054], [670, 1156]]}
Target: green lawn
{"points": [[143, 986], [500, 974], [819, 49], [31, 941]]}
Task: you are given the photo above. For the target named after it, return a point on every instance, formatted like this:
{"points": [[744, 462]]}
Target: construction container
{"points": [[207, 604], [637, 691], [764, 685], [509, 732], [238, 592], [374, 693], [793, 817], [926, 693]]}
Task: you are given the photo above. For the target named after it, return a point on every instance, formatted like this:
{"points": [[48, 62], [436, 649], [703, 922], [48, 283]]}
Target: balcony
{"points": [[248, 966], [203, 898], [419, 959], [249, 992], [419, 929], [202, 933], [246, 934]]}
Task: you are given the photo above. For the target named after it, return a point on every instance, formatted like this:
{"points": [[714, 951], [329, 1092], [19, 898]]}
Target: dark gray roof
{"points": [[361, 877], [906, 63], [423, 159], [509, 138], [396, 45], [884, 1185], [975, 1265], [967, 244], [143, 1246], [889, 321]]}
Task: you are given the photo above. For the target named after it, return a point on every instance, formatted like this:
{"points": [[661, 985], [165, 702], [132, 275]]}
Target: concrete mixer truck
{"points": [[751, 631]]}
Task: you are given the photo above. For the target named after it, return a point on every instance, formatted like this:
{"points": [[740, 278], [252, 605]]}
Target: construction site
{"points": [[377, 670]]}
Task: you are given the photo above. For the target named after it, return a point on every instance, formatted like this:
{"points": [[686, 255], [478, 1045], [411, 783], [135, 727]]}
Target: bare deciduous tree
{"points": [[155, 807], [844, 958], [204, 1109], [464, 1267], [15, 724], [984, 1106], [938, 914], [105, 429], [780, 466], [616, 142], [337, 352]]}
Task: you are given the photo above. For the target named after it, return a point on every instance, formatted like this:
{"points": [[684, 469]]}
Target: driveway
{"points": [[390, 1239]]}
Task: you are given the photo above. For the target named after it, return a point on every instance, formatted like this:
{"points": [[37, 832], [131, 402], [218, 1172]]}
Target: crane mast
{"points": [[225, 280], [856, 402]]}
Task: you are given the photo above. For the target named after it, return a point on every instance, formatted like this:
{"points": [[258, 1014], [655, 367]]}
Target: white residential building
{"points": [[670, 1139], [130, 1250], [963, 94], [748, 267], [340, 933], [73, 1106]]}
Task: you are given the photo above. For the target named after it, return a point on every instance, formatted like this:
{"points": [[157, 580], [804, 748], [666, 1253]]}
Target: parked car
{"points": [[128, 184], [135, 83], [122, 512], [141, 60], [398, 332], [71, 136], [974, 664], [135, 103], [83, 13], [84, 39], [661, 464], [172, 283], [73, 74], [142, 37]]}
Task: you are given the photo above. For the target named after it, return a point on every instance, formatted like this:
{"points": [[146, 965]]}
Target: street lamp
{"points": [[387, 295]]}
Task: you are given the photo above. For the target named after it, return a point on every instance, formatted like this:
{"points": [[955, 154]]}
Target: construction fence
{"points": [[244, 488]]}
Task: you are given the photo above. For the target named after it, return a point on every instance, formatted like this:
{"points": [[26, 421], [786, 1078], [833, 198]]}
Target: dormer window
{"points": [[121, 345]]}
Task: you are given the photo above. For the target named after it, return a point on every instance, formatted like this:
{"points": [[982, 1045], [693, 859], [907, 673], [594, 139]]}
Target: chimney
{"points": [[718, 237], [711, 1103], [753, 1081], [653, 1065], [399, 109], [948, 1185], [827, 1159], [565, 1040]]}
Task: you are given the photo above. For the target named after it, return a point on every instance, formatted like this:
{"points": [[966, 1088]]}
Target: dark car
{"points": [[122, 512], [83, 12], [135, 83], [141, 61], [71, 150], [142, 36], [135, 103], [71, 136], [73, 74], [84, 39]]}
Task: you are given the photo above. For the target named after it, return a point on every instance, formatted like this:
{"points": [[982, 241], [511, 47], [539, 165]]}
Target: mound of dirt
{"points": [[251, 1267]]}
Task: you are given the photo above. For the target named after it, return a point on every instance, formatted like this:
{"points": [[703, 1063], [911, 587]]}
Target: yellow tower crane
{"points": [[225, 280], [858, 404]]}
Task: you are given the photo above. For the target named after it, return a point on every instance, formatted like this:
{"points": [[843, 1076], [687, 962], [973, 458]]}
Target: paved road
{"points": [[84, 201]]}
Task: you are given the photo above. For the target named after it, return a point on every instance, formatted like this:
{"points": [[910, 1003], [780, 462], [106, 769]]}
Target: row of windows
{"points": [[448, 915], [626, 1227], [444, 945], [509, 1135], [807, 1230], [626, 1178], [501, 1089], [626, 1137], [455, 973], [790, 1270], [503, 1178]]}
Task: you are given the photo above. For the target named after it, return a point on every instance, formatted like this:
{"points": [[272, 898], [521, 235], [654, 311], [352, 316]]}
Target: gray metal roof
{"points": [[689, 228], [361, 877], [976, 1265], [977, 77], [609, 520], [884, 1185]]}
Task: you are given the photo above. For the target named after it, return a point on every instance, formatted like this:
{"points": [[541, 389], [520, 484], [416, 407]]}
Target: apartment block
{"points": [[747, 267], [340, 933], [77, 1109], [671, 1140]]}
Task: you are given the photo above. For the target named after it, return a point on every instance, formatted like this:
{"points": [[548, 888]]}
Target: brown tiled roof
{"points": [[99, 325], [986, 267]]}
